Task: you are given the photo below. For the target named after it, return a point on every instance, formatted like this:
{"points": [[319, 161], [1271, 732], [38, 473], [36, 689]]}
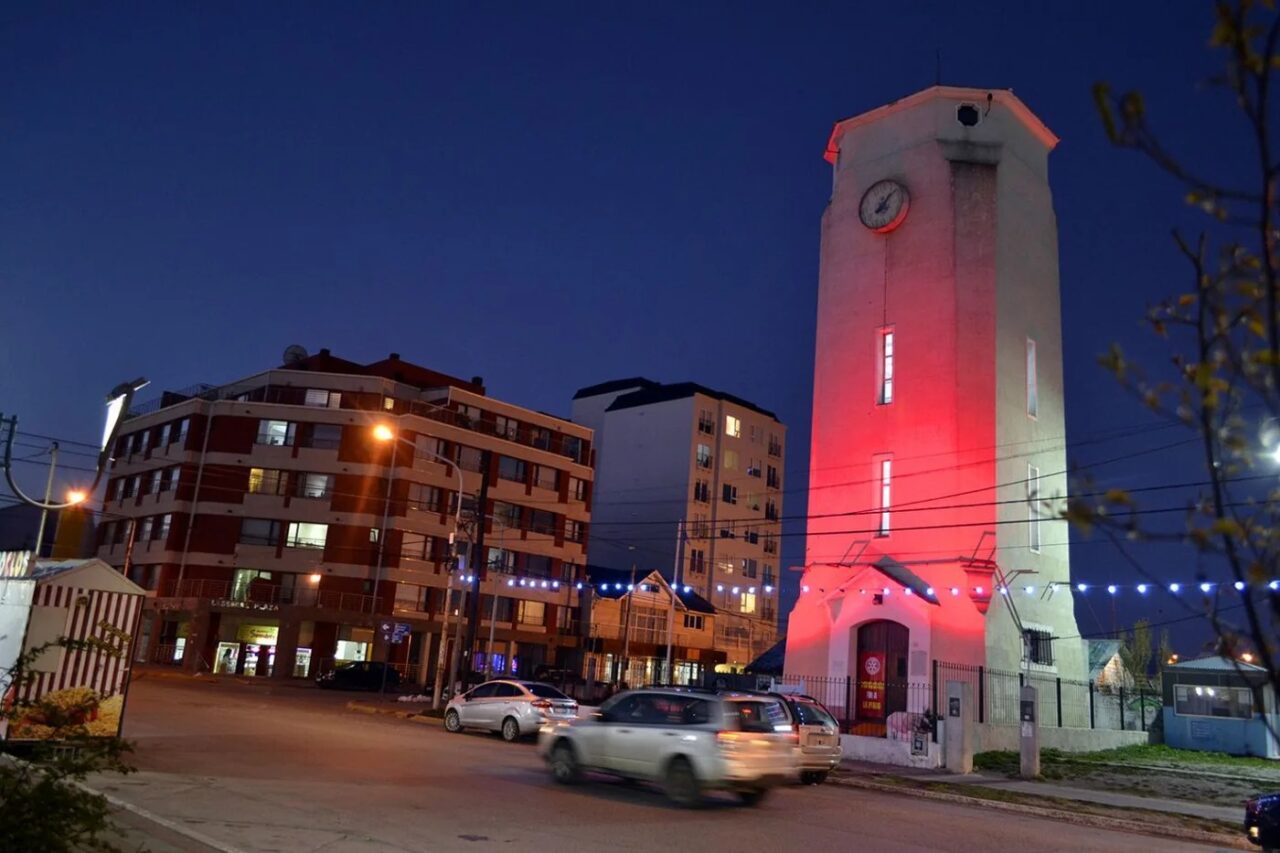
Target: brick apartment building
{"points": [[254, 514]]}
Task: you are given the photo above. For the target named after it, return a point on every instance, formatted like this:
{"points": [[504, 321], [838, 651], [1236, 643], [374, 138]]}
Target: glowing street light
{"points": [[382, 432], [77, 496]]}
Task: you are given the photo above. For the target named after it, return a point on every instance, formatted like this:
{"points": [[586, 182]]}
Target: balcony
{"points": [[268, 595]]}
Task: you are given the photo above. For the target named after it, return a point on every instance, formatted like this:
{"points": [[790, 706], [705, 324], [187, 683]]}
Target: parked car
{"points": [[686, 741], [1262, 822], [512, 708], [360, 675], [818, 734]]}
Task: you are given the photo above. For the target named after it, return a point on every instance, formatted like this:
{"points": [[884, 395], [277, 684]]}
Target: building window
{"points": [[315, 485], [428, 447], [505, 427], [726, 532], [775, 445], [415, 546], [770, 510], [506, 514], [884, 485], [323, 398], [546, 477], [730, 494], [770, 543], [574, 531], [501, 560], [266, 481], [706, 422], [423, 497], [884, 371], [259, 531], [1033, 508], [172, 476], [470, 458], [577, 489], [704, 456], [732, 426], [749, 567], [537, 565], [571, 446], [162, 529], [389, 404], [163, 440], [753, 467], [702, 491], [181, 430], [752, 536], [411, 597], [542, 521], [730, 460], [756, 432], [325, 436], [1033, 386], [144, 441], [1200, 700], [697, 561], [144, 533], [155, 480], [135, 486], [540, 437], [277, 433], [773, 481], [532, 613], [693, 622], [1037, 646], [307, 535], [747, 604], [512, 469], [700, 528]]}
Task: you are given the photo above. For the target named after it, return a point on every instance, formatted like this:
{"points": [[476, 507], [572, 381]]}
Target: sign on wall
{"points": [[871, 686]]}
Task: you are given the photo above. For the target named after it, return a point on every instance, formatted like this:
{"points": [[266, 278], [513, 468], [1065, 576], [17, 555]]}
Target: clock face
{"points": [[884, 206]]}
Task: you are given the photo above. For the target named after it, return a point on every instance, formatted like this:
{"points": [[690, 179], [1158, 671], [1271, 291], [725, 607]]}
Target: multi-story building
{"points": [[276, 533], [631, 621], [689, 482], [937, 404]]}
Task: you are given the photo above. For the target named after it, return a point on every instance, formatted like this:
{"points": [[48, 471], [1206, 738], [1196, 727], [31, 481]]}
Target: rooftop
{"points": [[650, 392]]}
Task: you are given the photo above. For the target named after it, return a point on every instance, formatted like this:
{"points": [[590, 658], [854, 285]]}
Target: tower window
{"points": [[1033, 508], [884, 377], [884, 473], [1033, 387], [968, 115]]}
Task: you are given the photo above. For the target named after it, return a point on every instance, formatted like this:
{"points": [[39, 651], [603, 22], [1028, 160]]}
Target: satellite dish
{"points": [[294, 353]]}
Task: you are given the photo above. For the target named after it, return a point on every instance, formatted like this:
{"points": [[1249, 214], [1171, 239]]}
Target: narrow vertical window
{"points": [[1033, 508], [884, 476], [884, 391], [1033, 389]]}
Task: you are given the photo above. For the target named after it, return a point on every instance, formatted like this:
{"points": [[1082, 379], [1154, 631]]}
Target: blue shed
{"points": [[1218, 704]]}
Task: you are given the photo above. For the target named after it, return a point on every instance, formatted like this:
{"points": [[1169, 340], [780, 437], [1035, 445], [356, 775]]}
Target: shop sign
{"points": [[15, 564], [258, 635], [871, 685], [245, 605], [394, 633]]}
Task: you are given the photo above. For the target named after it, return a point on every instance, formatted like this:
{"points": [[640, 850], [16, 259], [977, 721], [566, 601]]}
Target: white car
{"points": [[686, 741], [514, 708]]}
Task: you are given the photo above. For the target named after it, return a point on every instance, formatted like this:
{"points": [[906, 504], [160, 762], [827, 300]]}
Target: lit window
{"points": [[748, 602], [1033, 508], [144, 534], [277, 433], [884, 392], [264, 481], [1033, 388], [162, 529], [732, 426], [704, 456], [730, 460], [306, 535], [155, 480], [531, 613], [1199, 700], [315, 485], [884, 476], [323, 398]]}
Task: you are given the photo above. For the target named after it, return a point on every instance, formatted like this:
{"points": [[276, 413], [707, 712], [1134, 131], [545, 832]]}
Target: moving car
{"points": [[513, 708], [1262, 822], [360, 675], [686, 741]]}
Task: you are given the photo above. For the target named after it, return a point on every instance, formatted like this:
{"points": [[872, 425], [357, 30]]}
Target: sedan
{"points": [[513, 708], [360, 675]]}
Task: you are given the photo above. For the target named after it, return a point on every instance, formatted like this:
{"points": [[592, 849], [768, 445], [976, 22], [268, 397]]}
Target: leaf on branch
{"points": [[1118, 496], [1227, 527]]}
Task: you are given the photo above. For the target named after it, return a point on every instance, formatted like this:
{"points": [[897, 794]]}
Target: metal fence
{"points": [[897, 708]]}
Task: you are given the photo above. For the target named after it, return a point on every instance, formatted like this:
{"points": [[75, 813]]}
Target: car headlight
{"points": [[1253, 832]]}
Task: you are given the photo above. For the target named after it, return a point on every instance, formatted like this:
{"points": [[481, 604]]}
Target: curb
{"points": [[1181, 771], [1052, 813], [411, 716]]}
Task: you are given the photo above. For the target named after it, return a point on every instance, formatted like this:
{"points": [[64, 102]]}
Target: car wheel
{"points": [[752, 796], [681, 784], [510, 730], [564, 764], [452, 722], [813, 777]]}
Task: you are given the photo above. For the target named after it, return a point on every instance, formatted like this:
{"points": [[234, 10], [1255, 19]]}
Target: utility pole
{"points": [[48, 497], [624, 672], [493, 611], [671, 614], [478, 565]]}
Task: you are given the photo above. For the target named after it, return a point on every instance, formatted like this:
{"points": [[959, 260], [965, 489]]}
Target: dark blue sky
{"points": [[548, 197]]}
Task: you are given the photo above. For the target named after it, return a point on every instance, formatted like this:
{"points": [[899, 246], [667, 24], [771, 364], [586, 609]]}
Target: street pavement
{"points": [[284, 769]]}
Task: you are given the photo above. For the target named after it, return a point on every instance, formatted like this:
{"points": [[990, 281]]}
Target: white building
{"points": [[682, 451], [938, 428]]}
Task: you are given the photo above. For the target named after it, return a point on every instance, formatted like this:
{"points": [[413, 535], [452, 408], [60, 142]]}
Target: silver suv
{"points": [[514, 708], [686, 741]]}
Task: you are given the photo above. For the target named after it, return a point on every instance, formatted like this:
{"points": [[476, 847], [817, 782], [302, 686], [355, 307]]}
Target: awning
{"points": [[901, 575]]}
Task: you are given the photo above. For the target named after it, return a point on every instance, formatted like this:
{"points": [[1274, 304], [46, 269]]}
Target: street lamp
{"points": [[384, 433]]}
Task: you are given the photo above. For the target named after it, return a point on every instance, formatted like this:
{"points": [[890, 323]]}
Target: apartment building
{"points": [[282, 521], [689, 483]]}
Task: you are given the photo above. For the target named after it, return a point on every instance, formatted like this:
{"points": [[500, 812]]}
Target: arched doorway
{"points": [[880, 680]]}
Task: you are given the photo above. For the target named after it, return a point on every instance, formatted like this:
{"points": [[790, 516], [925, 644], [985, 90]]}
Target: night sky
{"points": [[549, 197]]}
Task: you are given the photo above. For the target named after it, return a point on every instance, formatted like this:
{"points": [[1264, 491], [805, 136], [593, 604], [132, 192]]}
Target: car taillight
{"points": [[726, 739], [541, 703]]}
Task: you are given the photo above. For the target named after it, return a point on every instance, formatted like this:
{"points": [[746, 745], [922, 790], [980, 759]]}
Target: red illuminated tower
{"points": [[938, 411]]}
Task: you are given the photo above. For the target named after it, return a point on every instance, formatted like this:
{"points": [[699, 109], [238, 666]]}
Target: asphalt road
{"points": [[289, 769]]}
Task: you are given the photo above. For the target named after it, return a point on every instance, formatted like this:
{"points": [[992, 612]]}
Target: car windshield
{"points": [[545, 691], [761, 715], [813, 714]]}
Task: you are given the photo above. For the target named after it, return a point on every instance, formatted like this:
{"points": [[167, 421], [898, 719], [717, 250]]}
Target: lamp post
{"points": [[671, 613], [382, 432], [73, 497]]}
